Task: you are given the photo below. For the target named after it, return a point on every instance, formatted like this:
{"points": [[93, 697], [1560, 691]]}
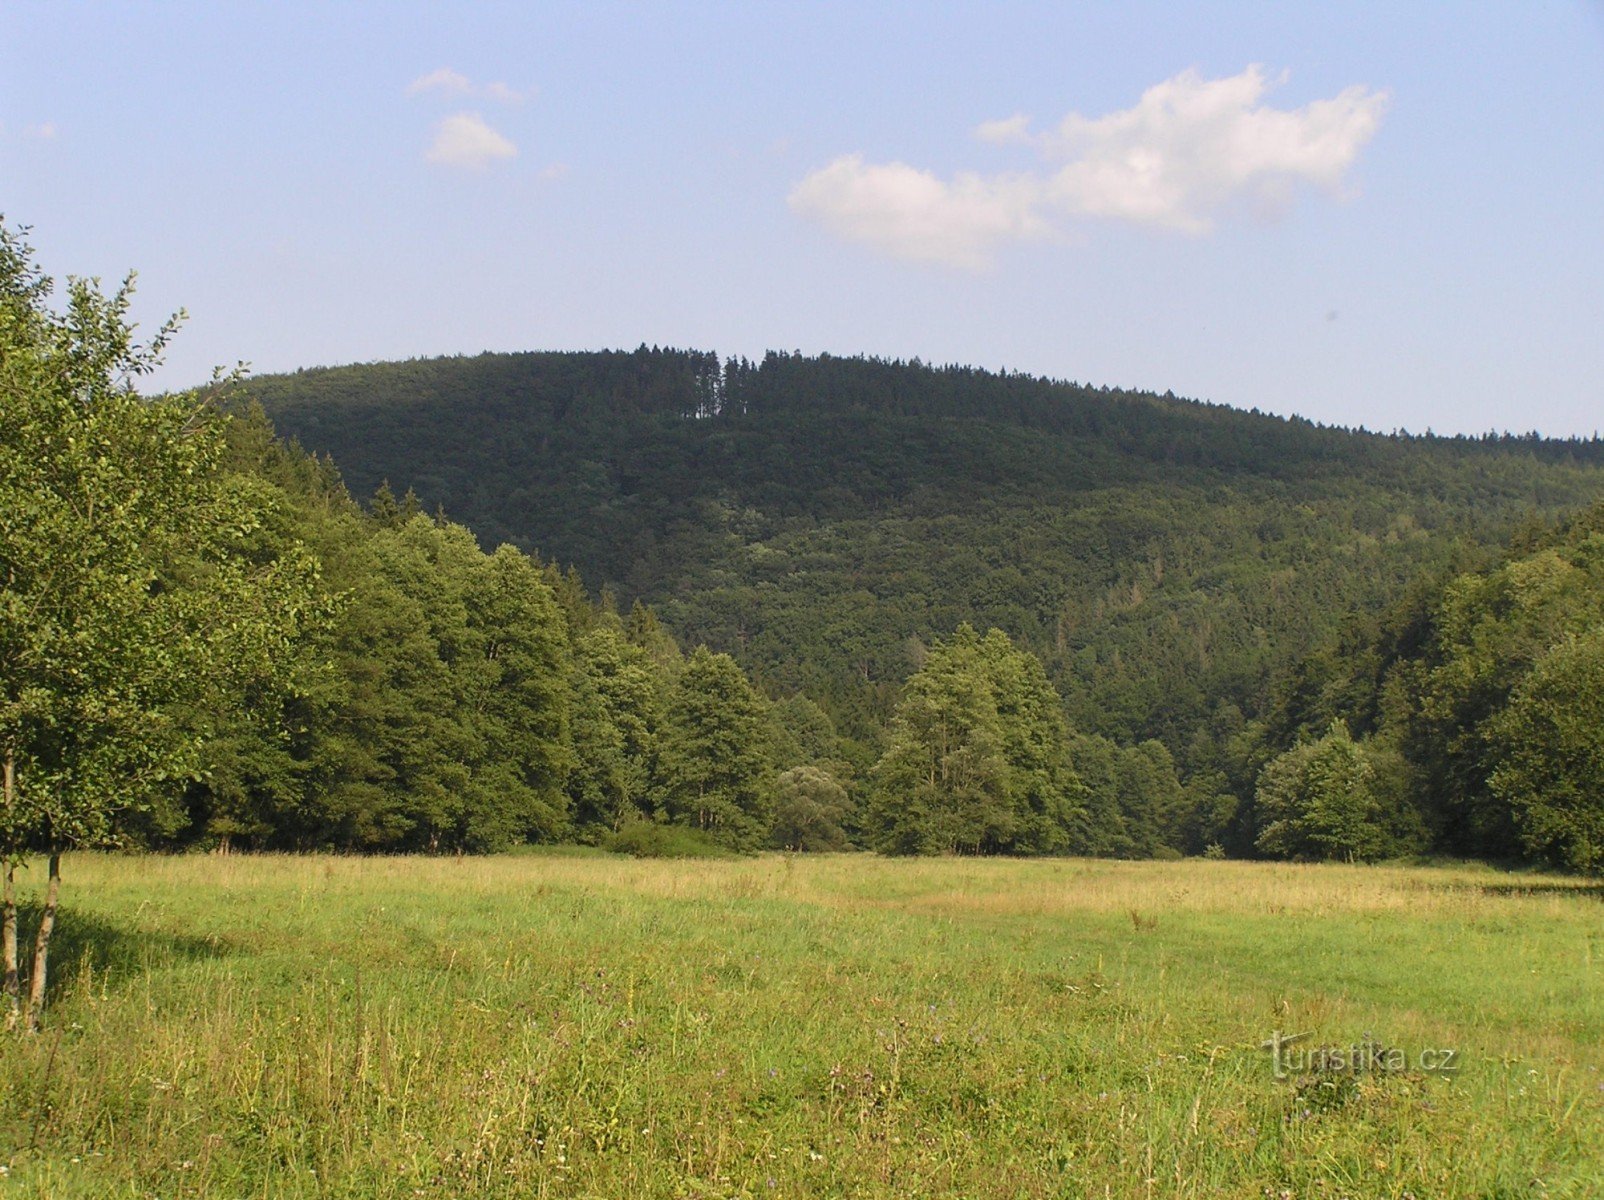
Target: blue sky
{"points": [[1381, 215]]}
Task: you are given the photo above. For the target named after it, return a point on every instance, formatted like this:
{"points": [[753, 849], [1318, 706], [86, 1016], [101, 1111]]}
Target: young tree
{"points": [[976, 758], [809, 806], [1318, 800], [128, 608]]}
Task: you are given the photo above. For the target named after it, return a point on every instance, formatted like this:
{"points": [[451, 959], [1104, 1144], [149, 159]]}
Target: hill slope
{"points": [[823, 518]]}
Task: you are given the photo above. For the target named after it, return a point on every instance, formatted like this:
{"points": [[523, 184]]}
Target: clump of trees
{"points": [[816, 517], [1318, 800], [976, 758], [465, 701], [1464, 721], [1551, 769], [205, 641]]}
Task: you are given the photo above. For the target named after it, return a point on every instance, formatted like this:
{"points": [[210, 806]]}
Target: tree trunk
{"points": [[41, 944], [8, 948], [12, 989]]}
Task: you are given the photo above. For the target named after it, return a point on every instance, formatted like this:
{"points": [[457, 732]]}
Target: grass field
{"points": [[545, 1025]]}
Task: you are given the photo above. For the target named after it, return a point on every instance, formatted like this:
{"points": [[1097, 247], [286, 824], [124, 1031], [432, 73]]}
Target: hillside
{"points": [[823, 518]]}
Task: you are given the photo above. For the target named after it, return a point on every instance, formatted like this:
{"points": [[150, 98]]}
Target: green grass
{"points": [[541, 1025]]}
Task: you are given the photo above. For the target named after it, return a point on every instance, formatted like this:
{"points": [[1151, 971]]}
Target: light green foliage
{"points": [[1318, 800], [974, 761], [809, 809], [618, 703], [1551, 762], [138, 602], [715, 764]]}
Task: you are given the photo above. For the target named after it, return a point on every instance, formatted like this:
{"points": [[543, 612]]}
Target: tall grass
{"points": [[837, 1026]]}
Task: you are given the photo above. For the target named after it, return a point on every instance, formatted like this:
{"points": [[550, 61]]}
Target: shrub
{"points": [[647, 839]]}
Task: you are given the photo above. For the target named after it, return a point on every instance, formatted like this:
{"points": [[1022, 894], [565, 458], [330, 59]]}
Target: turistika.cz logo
{"points": [[1290, 1057]]}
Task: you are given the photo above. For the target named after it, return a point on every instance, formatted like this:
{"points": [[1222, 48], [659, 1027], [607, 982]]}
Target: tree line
{"points": [[824, 520]]}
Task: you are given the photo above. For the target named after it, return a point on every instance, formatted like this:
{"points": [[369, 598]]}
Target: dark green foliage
{"points": [[1551, 766], [617, 723], [462, 701], [1204, 587], [1134, 804], [811, 516], [1476, 695], [439, 717], [1223, 629]]}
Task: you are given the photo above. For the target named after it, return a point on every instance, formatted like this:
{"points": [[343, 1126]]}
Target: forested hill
{"points": [[824, 518]]}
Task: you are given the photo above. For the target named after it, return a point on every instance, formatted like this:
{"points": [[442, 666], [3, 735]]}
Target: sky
{"points": [[1380, 215]]}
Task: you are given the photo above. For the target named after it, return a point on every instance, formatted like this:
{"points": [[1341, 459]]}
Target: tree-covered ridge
{"points": [[824, 519]]}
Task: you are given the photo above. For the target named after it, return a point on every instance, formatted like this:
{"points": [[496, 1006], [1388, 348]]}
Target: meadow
{"points": [[573, 1025]]}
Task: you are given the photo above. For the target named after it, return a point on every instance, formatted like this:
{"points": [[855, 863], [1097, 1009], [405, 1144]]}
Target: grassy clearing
{"points": [[844, 1026]]}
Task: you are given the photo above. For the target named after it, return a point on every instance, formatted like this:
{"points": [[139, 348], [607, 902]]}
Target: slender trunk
{"points": [[8, 947], [41, 944], [12, 990]]}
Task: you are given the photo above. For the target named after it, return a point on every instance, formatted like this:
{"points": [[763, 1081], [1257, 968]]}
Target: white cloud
{"points": [[1010, 129], [454, 83], [503, 93], [42, 131], [1191, 146], [464, 140], [1190, 150], [441, 79], [915, 215], [553, 172]]}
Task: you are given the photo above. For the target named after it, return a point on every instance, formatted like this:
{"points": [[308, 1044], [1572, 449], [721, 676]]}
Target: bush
{"points": [[647, 839]]}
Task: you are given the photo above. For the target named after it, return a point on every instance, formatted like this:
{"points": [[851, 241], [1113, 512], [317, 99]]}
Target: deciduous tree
{"points": [[130, 608]]}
